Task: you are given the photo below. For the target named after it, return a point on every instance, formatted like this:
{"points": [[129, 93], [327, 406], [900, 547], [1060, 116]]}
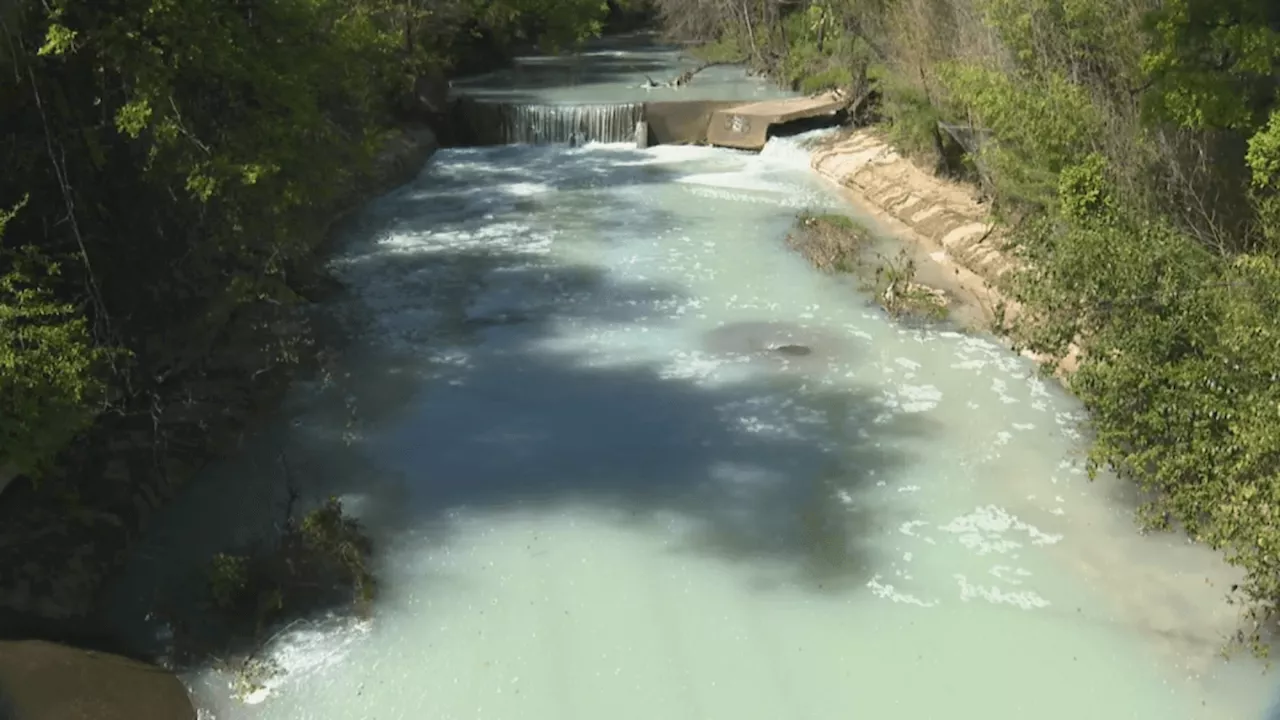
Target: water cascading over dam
{"points": [[500, 123]]}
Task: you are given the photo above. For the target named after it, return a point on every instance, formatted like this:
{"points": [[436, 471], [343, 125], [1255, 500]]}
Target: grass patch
{"points": [[836, 243], [832, 242]]}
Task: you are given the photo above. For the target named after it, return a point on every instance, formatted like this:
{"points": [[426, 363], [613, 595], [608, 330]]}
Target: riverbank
{"points": [[607, 406], [958, 248], [948, 231], [1165, 263], [163, 226], [61, 538]]}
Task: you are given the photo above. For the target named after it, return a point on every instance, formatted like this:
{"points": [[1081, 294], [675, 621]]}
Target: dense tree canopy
{"points": [[165, 165]]}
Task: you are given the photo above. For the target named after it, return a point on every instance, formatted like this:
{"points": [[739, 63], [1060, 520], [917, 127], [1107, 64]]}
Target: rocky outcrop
{"points": [[46, 681]]}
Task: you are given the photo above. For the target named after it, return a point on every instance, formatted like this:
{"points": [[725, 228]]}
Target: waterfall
{"points": [[516, 123]]}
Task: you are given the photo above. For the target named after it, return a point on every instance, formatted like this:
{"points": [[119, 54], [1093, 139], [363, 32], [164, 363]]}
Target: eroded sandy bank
{"points": [[957, 246], [1162, 585]]}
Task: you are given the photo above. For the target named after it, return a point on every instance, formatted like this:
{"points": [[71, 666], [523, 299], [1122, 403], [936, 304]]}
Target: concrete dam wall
{"points": [[725, 123]]}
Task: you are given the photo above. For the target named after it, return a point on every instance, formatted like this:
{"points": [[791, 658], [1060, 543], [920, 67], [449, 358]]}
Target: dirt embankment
{"points": [[957, 247]]}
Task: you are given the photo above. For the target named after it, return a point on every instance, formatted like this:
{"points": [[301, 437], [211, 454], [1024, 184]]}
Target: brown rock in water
{"points": [[793, 350], [46, 681], [755, 337]]}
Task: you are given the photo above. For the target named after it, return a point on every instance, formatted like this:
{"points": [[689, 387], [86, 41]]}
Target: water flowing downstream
{"points": [[503, 123], [599, 490]]}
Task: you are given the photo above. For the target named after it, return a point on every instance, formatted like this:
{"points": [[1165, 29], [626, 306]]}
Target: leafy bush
{"points": [[317, 563], [1180, 372], [321, 557], [1041, 126], [1263, 159], [819, 56], [49, 382], [725, 49], [832, 78]]}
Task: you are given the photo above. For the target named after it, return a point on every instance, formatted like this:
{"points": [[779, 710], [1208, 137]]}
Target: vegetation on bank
{"points": [[832, 242], [1132, 147], [836, 243], [171, 169], [320, 561]]}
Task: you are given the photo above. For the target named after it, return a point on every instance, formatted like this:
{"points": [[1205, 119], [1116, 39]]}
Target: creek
{"points": [[598, 489]]}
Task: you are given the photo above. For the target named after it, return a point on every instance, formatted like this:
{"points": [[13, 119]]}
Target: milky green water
{"points": [[597, 493], [617, 69]]}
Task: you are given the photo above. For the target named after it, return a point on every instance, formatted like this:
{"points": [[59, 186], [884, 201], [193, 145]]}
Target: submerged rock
{"points": [[46, 681], [793, 350], [774, 338]]}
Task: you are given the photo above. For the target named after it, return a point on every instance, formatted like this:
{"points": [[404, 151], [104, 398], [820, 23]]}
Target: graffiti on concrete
{"points": [[737, 124]]}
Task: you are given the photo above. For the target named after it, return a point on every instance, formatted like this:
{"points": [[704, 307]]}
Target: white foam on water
{"points": [[736, 181], [598, 490], [791, 153]]}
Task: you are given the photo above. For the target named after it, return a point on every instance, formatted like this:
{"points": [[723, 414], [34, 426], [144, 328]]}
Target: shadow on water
{"points": [[619, 60], [516, 426], [480, 409], [613, 70], [494, 173]]}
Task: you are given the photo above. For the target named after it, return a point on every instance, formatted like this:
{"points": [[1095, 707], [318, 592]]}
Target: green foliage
{"points": [[832, 242], [1119, 134], [1180, 371], [1213, 63], [834, 221], [319, 560], [724, 49], [895, 288], [830, 79], [1263, 159], [1086, 193], [1188, 405], [330, 533], [837, 243], [317, 563], [1042, 125], [910, 118], [181, 159], [228, 579], [48, 363], [1092, 37], [820, 56]]}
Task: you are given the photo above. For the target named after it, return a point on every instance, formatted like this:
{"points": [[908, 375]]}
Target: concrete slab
{"points": [[747, 126]]}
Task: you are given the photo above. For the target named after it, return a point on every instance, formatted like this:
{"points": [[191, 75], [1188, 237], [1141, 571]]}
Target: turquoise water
{"points": [[597, 491], [614, 71]]}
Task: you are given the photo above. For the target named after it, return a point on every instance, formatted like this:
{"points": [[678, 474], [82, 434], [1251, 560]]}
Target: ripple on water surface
{"points": [[612, 497]]}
